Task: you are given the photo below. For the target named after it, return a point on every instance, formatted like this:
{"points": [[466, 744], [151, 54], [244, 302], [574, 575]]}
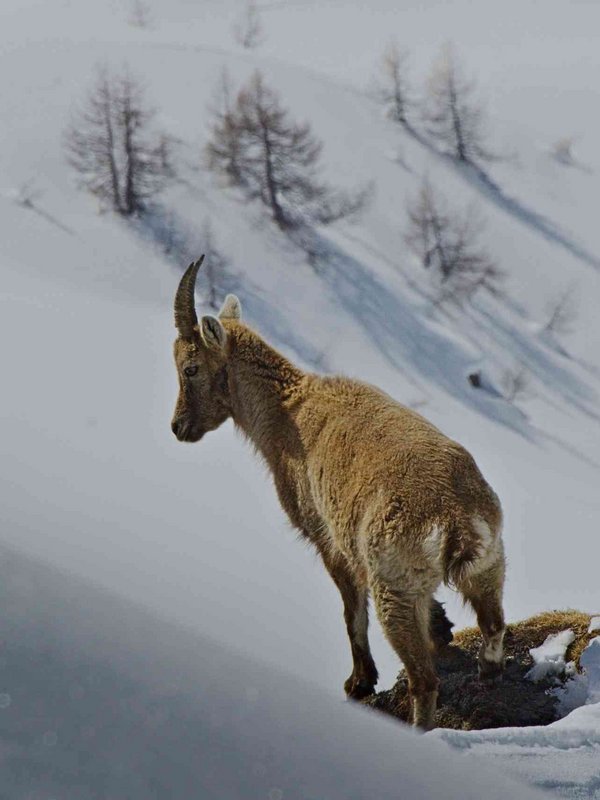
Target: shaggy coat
{"points": [[393, 506]]}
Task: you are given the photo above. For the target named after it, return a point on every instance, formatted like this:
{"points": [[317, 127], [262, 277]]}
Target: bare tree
{"points": [[392, 88], [280, 156], [447, 243], [91, 146], [111, 144], [224, 149], [248, 30], [561, 312], [452, 112], [28, 194], [139, 14], [262, 150], [147, 158]]}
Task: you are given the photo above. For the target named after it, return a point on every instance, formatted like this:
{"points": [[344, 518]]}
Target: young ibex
{"points": [[393, 506]]}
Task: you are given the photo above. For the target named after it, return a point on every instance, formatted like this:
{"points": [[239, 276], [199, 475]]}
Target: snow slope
{"points": [[92, 479], [562, 757], [101, 700]]}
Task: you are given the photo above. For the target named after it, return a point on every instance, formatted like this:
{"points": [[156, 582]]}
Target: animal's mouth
{"points": [[191, 436], [188, 433]]}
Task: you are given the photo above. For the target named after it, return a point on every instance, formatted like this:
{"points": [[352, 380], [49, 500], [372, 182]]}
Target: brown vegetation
{"points": [[466, 703]]}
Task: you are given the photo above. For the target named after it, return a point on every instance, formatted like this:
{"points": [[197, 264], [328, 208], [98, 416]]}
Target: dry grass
{"points": [[521, 637]]}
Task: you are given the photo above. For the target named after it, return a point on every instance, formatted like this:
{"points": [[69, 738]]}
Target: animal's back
{"points": [[376, 462], [361, 425]]}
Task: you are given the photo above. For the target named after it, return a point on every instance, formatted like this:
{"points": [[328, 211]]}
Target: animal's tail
{"points": [[470, 545]]}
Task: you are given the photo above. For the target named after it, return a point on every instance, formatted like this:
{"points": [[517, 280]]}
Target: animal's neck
{"points": [[265, 388]]}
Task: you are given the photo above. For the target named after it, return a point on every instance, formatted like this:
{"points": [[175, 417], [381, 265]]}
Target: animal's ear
{"points": [[231, 308], [213, 333]]}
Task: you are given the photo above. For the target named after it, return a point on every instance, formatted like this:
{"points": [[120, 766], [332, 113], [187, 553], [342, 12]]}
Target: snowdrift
{"points": [[102, 700]]}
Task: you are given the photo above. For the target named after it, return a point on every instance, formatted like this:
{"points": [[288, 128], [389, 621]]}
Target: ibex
{"points": [[392, 505]]}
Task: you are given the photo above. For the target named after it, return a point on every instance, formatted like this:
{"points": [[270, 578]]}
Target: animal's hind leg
{"points": [[363, 678], [405, 618], [440, 627], [484, 592]]}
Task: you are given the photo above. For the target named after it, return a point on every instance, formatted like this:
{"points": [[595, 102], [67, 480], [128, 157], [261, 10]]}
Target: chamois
{"points": [[392, 505]]}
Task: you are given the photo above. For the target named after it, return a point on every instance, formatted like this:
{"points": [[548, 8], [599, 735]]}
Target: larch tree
{"points": [[261, 149], [453, 114], [561, 313], [111, 144], [447, 243], [224, 148], [393, 90], [140, 14], [248, 29]]}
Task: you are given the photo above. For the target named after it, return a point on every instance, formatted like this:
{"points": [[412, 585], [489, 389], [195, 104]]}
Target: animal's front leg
{"points": [[363, 678]]}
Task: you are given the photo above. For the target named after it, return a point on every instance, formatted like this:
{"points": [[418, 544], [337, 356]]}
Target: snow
{"points": [[563, 757], [92, 479], [102, 700], [590, 661], [550, 657], [550, 662], [594, 624]]}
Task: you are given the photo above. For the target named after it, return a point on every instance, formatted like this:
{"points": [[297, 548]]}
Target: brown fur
{"points": [[393, 506]]}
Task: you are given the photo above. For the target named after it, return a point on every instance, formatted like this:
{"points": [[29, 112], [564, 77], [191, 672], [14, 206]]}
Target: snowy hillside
{"points": [[100, 700], [93, 480]]}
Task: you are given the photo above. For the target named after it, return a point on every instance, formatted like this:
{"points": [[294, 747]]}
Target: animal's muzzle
{"points": [[176, 427], [185, 432]]}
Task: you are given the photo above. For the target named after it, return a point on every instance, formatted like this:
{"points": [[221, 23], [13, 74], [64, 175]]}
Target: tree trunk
{"points": [[278, 215], [439, 247], [110, 152], [131, 200], [461, 150], [399, 100]]}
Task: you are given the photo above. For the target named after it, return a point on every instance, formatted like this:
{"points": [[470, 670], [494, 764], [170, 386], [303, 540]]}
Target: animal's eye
{"points": [[190, 371]]}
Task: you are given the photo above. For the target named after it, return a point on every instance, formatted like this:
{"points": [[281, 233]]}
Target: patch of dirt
{"points": [[466, 703]]}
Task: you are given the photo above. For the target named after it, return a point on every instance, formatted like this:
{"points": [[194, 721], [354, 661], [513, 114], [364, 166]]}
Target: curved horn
{"points": [[186, 320]]}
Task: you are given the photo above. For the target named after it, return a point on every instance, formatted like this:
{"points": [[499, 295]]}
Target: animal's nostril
{"points": [[175, 426]]}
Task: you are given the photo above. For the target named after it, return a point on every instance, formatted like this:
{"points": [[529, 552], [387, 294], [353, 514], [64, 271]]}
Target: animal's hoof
{"points": [[358, 689], [423, 727]]}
